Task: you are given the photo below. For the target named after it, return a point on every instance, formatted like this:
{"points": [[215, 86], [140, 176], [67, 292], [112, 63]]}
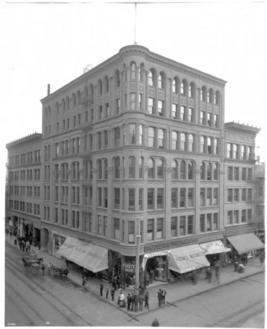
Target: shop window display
{"points": [[157, 268]]}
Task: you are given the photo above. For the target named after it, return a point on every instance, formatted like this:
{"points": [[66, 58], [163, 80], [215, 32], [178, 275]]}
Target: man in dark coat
{"points": [[160, 297], [129, 301], [146, 299], [163, 295], [112, 293], [101, 289]]}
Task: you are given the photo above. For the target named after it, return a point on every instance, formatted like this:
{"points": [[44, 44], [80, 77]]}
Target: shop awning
{"points": [[67, 247], [214, 247], [96, 259], [185, 259], [79, 251], [245, 242]]}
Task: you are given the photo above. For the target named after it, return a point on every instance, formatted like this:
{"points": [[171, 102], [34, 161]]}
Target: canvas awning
{"points": [[96, 259], [67, 247], [185, 259], [79, 251], [245, 242], [214, 247]]}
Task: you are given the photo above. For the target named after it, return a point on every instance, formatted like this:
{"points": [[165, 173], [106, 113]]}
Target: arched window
{"points": [[99, 168], [151, 78], [183, 170], [160, 165], [190, 143], [141, 167], [131, 167], [117, 79], [182, 142], [174, 169], [175, 85], [106, 82], [216, 98], [182, 88], [191, 90], [73, 100], [190, 170], [151, 168], [209, 170], [100, 87], [117, 167], [78, 98], [160, 81], [105, 169], [203, 94], [63, 105], [215, 171], [202, 171], [133, 71]]}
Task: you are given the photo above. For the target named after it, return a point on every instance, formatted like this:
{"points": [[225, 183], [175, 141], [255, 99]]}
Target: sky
{"points": [[51, 43]]}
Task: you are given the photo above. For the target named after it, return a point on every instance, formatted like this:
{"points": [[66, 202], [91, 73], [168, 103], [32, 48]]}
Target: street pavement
{"points": [[176, 291]]}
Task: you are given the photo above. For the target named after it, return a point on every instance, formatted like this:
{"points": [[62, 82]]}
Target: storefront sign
{"points": [[170, 245], [239, 229]]}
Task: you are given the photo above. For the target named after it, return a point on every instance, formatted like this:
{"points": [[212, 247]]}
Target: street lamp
{"points": [[136, 293]]}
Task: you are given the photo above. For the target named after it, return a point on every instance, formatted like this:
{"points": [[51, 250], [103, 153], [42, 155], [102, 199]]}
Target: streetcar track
{"points": [[25, 281], [15, 303], [38, 315]]}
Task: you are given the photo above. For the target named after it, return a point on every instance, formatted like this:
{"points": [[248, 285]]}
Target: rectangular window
{"points": [[230, 173], [235, 217], [190, 200], [160, 192], [99, 221], [132, 101], [99, 196], [174, 226], [190, 224], [116, 198], [117, 137], [160, 228], [209, 119], [215, 196], [182, 226], [230, 195], [236, 194], [229, 217], [151, 108], [174, 198], [118, 105], [117, 228], [243, 219], [215, 222], [175, 111], [160, 108], [141, 196], [209, 197], [151, 137], [215, 117], [141, 135], [249, 214], [250, 194], [244, 194], [208, 222], [190, 114], [131, 232], [236, 173], [202, 118], [150, 229], [182, 197], [131, 199], [202, 196], [182, 113], [150, 198], [100, 112], [140, 101], [174, 140], [132, 134], [105, 197], [249, 174], [160, 138]]}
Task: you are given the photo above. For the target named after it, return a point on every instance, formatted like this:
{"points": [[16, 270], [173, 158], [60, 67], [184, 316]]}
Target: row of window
{"points": [[208, 222], [25, 158], [233, 173], [209, 196], [25, 207], [31, 191], [233, 216], [240, 152], [21, 175], [239, 194]]}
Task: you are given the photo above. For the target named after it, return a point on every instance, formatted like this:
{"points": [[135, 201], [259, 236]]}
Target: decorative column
{"points": [[168, 211], [196, 227], [94, 201]]}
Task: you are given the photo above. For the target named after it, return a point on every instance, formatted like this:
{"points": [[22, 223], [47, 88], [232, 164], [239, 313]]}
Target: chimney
{"points": [[48, 89]]}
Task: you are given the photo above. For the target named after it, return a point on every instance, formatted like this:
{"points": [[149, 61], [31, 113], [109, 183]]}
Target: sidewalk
{"points": [[176, 291]]}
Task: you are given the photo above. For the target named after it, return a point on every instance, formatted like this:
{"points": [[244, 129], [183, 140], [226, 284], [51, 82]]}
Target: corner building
{"points": [[134, 146]]}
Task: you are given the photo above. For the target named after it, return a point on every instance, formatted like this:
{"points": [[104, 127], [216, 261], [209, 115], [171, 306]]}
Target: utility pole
{"points": [[138, 236]]}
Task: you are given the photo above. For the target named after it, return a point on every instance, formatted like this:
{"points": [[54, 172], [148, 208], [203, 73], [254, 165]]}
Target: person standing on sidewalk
{"points": [[217, 275], [23, 245], [107, 290], [164, 293], [101, 289], [43, 268], [129, 301], [209, 274], [112, 293], [146, 299], [261, 258], [160, 297]]}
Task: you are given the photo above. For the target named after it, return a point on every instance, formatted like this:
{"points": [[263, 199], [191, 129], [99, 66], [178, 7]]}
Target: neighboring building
{"points": [[137, 145], [24, 185], [239, 191], [260, 199]]}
